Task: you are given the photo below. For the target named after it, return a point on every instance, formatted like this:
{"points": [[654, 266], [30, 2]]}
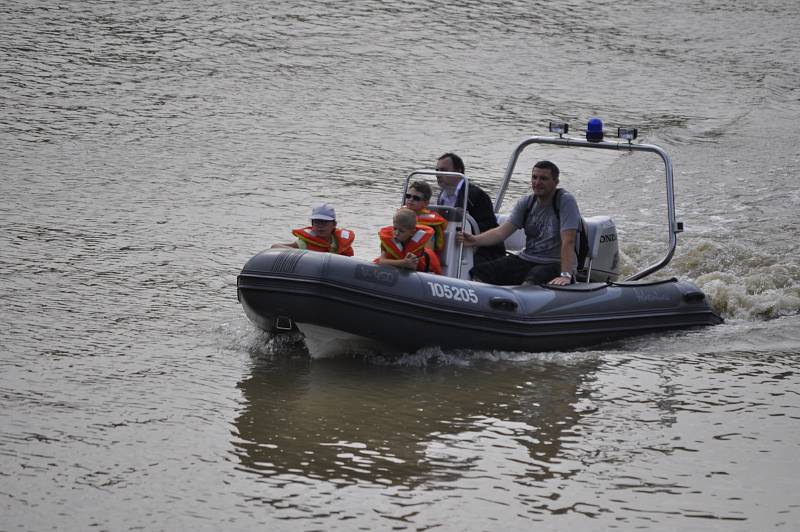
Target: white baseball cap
{"points": [[323, 211]]}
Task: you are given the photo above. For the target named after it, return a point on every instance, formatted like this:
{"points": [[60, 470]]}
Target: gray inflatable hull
{"points": [[404, 310]]}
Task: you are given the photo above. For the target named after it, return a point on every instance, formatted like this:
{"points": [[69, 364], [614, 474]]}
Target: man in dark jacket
{"points": [[479, 206]]}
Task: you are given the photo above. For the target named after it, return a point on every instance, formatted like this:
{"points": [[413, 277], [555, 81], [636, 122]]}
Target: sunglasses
{"points": [[414, 197]]}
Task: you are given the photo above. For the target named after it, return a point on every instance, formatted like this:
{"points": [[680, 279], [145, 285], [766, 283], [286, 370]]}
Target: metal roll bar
{"points": [[673, 227]]}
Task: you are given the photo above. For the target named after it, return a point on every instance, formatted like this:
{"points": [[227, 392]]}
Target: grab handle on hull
{"points": [[283, 324], [694, 296], [503, 303]]}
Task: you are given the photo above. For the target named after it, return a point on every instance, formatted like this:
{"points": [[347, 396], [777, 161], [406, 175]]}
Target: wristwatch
{"points": [[568, 275]]}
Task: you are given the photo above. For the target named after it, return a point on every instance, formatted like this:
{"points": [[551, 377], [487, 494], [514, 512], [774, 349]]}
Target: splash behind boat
{"points": [[330, 298]]}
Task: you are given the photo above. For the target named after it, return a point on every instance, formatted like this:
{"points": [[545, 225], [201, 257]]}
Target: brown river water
{"points": [[148, 149]]}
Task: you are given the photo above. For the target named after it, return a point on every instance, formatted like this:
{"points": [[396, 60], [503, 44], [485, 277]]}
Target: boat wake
{"points": [[742, 283]]}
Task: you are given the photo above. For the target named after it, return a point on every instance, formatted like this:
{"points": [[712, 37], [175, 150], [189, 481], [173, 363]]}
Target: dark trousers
{"points": [[488, 253], [512, 270]]}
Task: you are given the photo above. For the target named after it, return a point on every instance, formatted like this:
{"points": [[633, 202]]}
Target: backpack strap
{"points": [[532, 200], [556, 208], [528, 209]]}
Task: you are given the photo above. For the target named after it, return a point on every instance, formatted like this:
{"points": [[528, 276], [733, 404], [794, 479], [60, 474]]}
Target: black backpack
{"points": [[581, 242]]}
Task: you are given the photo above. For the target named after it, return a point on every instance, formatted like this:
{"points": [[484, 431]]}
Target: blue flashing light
{"points": [[594, 130]]}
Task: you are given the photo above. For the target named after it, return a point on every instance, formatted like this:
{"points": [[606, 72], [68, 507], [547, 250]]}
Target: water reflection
{"points": [[347, 421]]}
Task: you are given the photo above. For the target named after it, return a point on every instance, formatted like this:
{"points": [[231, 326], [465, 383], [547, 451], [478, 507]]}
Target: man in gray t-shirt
{"points": [[549, 254]]}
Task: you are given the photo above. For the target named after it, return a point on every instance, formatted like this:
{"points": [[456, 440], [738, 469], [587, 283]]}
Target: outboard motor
{"points": [[601, 263]]}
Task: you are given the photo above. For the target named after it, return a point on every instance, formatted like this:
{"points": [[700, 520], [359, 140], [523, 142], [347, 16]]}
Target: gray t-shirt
{"points": [[542, 230]]}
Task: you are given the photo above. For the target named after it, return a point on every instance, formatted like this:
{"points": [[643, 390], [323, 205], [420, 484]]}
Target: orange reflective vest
{"points": [[343, 237], [434, 220], [428, 260]]}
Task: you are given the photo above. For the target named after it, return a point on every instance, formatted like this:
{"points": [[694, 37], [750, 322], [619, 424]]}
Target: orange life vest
{"points": [[428, 260], [344, 240], [434, 220]]}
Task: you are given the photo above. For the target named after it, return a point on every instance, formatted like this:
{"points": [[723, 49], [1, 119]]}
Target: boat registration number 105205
{"points": [[455, 293]]}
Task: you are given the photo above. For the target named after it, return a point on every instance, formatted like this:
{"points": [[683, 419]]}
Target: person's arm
{"points": [[489, 238], [287, 245], [409, 262], [568, 258]]}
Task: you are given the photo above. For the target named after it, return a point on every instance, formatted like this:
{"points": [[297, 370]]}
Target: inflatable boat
{"points": [[343, 303]]}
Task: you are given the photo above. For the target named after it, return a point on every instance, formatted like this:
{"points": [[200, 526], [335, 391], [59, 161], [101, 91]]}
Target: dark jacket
{"points": [[480, 207]]}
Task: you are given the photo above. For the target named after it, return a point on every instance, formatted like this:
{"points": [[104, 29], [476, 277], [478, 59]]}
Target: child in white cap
{"points": [[322, 234]]}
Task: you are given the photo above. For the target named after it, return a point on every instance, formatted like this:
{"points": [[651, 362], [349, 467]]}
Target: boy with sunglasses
{"points": [[417, 199], [322, 234]]}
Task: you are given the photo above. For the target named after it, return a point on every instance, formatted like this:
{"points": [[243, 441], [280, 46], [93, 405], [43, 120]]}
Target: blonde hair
{"points": [[405, 218]]}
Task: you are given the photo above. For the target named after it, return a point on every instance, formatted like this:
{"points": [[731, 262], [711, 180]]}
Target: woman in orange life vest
{"points": [[417, 199], [406, 244], [322, 234]]}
